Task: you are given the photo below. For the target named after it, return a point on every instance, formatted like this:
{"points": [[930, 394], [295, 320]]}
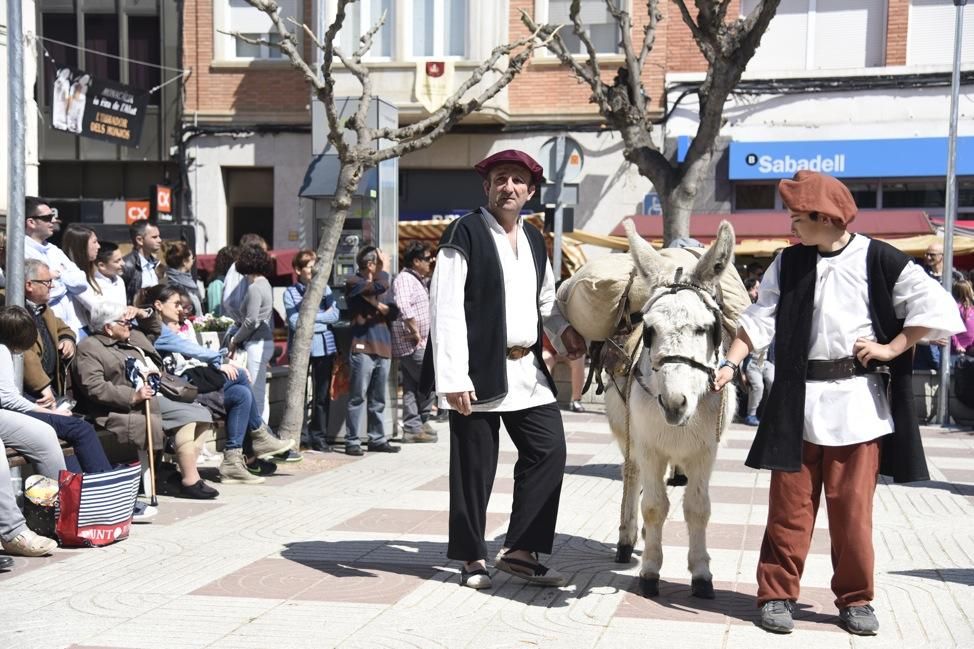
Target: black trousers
{"points": [[539, 437]]}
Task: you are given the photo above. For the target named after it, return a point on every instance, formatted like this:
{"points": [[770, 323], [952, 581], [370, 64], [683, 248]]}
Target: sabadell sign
{"points": [[900, 158]]}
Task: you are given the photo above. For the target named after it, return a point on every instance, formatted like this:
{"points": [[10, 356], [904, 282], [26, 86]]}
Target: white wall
{"points": [[288, 154], [31, 115]]}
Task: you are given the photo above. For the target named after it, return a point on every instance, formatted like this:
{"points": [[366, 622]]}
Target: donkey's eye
{"points": [[700, 331], [647, 336]]}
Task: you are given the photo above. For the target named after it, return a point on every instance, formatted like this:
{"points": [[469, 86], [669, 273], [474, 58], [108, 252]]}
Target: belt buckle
{"points": [[517, 353]]}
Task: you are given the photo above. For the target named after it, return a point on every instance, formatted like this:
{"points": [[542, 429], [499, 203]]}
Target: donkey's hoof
{"points": [[649, 587], [702, 588], [623, 554]]}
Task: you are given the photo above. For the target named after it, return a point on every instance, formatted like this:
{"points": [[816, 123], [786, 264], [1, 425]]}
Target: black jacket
{"points": [[132, 275], [778, 442]]}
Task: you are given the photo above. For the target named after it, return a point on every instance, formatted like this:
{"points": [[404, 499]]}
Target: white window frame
{"points": [[541, 17], [366, 21], [225, 45]]}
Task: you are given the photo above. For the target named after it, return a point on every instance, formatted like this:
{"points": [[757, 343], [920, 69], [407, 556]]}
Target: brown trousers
{"points": [[848, 474]]}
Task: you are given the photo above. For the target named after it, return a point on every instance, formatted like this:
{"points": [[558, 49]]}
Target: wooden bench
{"points": [[15, 459]]}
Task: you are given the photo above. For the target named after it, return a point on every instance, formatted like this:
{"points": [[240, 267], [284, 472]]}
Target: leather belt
{"points": [[517, 353], [839, 369]]}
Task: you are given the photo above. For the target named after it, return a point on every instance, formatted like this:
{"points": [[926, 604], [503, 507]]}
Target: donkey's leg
{"points": [[627, 516], [696, 511], [656, 506]]}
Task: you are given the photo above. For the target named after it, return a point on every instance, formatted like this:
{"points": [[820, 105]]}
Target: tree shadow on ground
{"points": [[607, 471], [963, 576]]}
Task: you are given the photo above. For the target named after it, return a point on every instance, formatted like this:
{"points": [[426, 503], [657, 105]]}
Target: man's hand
{"points": [[460, 401], [47, 399], [384, 263], [573, 342], [67, 348], [382, 308], [230, 371], [870, 350], [724, 376], [142, 394], [231, 349]]}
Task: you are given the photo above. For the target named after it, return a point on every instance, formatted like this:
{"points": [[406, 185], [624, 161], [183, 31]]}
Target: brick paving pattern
{"points": [[343, 552]]}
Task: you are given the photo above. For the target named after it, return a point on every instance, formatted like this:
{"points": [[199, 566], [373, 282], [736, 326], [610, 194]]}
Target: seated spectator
{"points": [[208, 371], [15, 537], [80, 245], [106, 393], [225, 257], [108, 274], [179, 272], [45, 362]]}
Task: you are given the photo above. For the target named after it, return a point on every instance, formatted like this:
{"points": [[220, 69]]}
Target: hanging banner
{"points": [[103, 110], [434, 82]]}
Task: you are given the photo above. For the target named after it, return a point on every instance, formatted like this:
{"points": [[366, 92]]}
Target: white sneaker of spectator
{"points": [[143, 513]]}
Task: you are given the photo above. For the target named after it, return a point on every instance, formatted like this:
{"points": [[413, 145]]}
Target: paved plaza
{"points": [[350, 552]]}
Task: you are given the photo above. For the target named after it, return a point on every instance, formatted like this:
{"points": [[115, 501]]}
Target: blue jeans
{"points": [[369, 374], [82, 437], [242, 412]]}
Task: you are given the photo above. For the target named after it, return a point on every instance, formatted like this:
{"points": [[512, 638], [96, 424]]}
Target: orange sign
{"points": [[164, 199], [136, 210]]}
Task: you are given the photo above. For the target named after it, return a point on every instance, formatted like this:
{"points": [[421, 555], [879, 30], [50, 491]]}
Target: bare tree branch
{"points": [[634, 78]]}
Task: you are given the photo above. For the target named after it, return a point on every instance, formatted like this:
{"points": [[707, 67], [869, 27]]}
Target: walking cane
{"points": [[152, 465]]}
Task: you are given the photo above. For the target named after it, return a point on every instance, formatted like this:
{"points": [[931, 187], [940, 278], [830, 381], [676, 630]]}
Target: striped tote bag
{"points": [[95, 509]]}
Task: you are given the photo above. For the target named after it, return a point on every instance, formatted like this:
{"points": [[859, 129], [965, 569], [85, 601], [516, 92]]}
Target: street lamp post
{"points": [[16, 162], [951, 204]]}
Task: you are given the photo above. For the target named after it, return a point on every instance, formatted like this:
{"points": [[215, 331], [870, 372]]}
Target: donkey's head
{"points": [[681, 322]]}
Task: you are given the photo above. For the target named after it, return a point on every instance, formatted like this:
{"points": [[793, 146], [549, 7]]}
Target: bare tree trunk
{"points": [[300, 351]]}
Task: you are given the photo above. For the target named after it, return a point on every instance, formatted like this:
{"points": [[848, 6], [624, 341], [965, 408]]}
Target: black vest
{"points": [[778, 443], [484, 306]]}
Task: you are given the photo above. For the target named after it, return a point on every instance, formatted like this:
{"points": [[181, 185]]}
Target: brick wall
{"points": [[682, 53], [549, 87], [242, 91], [897, 18]]}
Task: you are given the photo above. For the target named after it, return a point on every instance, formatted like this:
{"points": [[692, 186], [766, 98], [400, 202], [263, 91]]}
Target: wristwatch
{"points": [[731, 364]]}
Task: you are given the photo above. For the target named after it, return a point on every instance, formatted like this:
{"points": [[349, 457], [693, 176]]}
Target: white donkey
{"points": [[665, 411]]}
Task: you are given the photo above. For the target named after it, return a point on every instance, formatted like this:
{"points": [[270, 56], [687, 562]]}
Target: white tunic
{"points": [[851, 411], [526, 384]]}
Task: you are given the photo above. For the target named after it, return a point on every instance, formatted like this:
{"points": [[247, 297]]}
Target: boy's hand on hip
{"points": [[870, 350]]}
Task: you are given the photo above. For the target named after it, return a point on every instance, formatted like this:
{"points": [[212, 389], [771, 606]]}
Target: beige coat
{"points": [[104, 393]]}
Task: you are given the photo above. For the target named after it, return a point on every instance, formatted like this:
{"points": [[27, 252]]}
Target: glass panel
{"points": [[599, 25], [382, 43], [423, 28], [914, 194], [455, 23], [273, 52], [101, 37], [864, 194], [351, 29], [753, 197], [64, 28], [247, 50], [965, 193], [143, 46]]}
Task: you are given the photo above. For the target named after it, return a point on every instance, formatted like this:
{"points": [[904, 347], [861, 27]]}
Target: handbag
{"points": [[177, 388], [95, 509], [205, 378]]}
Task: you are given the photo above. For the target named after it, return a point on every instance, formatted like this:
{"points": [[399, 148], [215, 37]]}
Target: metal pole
{"points": [[16, 163], [951, 206], [559, 205]]}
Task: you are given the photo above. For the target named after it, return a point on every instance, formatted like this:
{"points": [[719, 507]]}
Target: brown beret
{"points": [[810, 191], [511, 156]]}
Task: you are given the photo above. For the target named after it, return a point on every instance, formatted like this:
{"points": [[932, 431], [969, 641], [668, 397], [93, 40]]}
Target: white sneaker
{"points": [[143, 513], [29, 544]]}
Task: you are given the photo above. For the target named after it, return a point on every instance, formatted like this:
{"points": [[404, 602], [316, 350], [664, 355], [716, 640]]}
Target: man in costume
{"points": [[491, 292], [850, 309]]}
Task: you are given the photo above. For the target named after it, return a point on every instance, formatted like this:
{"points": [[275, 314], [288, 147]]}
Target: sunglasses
{"points": [[47, 218], [428, 258]]}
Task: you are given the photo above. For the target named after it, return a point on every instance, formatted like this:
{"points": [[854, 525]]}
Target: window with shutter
{"points": [[930, 33]]}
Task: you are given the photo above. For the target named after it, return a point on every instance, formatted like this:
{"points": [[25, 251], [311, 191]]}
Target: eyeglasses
{"points": [[46, 282], [47, 218], [933, 254], [123, 323], [428, 258]]}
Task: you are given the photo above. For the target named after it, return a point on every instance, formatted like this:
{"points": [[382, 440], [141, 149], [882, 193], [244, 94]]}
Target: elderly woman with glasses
{"points": [[105, 392]]}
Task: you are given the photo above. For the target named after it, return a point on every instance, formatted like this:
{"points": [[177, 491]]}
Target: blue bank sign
{"points": [[914, 157]]}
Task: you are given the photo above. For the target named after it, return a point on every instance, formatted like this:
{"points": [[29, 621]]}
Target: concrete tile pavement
{"points": [[351, 554]]}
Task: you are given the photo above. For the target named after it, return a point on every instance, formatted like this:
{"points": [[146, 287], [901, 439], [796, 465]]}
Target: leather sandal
{"points": [[477, 579], [532, 572]]}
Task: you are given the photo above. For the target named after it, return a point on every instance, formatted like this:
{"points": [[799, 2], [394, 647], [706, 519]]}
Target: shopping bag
{"points": [[341, 380], [95, 509]]}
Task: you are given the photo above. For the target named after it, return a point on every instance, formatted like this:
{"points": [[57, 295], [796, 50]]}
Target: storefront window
{"points": [[864, 194], [749, 196], [915, 194]]}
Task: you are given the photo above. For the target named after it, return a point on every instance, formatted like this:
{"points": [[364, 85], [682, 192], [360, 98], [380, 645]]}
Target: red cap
{"points": [[810, 191], [511, 156]]}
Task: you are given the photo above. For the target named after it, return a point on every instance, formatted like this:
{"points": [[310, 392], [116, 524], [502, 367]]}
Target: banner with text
{"points": [[95, 108]]}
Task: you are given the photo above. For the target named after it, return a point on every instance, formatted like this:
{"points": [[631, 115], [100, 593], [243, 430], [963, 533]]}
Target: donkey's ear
{"points": [[715, 261], [648, 261]]}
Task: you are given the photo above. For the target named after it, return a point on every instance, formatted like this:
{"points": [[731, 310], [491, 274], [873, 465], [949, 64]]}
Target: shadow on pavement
{"points": [[963, 576], [607, 471], [958, 488]]}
